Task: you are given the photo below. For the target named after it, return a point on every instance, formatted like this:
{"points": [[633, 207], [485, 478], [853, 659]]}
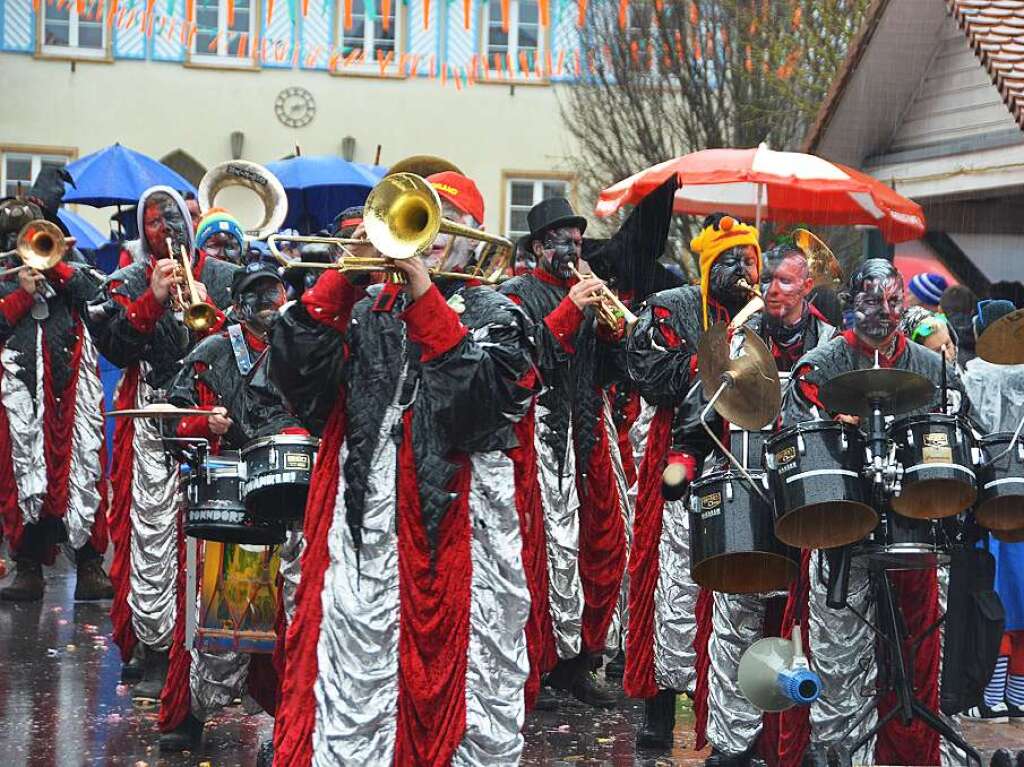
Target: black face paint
{"points": [[561, 251], [259, 308], [726, 273], [877, 298]]}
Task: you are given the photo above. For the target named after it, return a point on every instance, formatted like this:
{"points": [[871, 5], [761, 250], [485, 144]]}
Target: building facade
{"points": [[196, 82]]}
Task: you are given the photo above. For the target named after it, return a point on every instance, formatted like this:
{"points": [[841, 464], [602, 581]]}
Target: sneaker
{"points": [[997, 714], [1015, 714]]}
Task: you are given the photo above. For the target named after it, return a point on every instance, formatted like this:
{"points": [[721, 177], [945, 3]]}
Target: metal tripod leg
{"points": [[941, 726]]}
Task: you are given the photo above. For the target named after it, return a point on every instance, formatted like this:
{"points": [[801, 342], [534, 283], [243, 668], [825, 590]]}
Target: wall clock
{"points": [[295, 107]]}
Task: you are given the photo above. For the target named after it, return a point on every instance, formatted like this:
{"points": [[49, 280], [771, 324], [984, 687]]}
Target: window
{"points": [[19, 169], [523, 194], [368, 35], [523, 42], [68, 31], [221, 29]]}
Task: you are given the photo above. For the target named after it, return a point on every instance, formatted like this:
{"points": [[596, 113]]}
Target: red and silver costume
{"points": [[408, 644]]}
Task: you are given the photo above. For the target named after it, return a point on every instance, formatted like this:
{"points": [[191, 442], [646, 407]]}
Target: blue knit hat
{"points": [[215, 221], [928, 287]]}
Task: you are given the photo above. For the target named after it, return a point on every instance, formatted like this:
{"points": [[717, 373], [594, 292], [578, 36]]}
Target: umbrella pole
{"points": [[757, 210]]}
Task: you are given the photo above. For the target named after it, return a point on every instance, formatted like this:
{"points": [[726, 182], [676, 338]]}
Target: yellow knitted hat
{"points": [[713, 241]]}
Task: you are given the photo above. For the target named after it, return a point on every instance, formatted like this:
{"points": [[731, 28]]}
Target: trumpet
{"points": [[752, 307], [611, 309], [41, 245], [402, 218], [197, 315]]}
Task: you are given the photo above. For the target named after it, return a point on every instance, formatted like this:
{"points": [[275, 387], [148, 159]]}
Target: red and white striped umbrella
{"points": [[787, 187]]}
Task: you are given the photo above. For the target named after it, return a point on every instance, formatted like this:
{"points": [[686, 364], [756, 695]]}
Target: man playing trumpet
{"points": [[51, 420], [580, 553], [135, 323]]}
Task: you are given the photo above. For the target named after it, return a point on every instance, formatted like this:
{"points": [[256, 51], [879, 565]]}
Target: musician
{"points": [[661, 353], [52, 449], [840, 645], [220, 235], [137, 329], [578, 467], [790, 326], [217, 376], [407, 645]]}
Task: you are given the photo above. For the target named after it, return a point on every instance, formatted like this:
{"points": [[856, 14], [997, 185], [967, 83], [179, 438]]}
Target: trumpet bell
{"points": [[41, 245], [402, 215], [200, 317]]}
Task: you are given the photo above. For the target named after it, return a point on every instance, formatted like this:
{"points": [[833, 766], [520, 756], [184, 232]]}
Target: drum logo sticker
{"points": [[785, 456], [299, 461], [936, 448], [710, 505]]}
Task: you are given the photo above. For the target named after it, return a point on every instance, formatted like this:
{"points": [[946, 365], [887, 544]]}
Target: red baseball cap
{"points": [[460, 191]]}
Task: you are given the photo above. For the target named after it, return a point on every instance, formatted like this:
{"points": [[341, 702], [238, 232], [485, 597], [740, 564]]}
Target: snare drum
{"points": [[937, 456], [815, 470], [1001, 484], [902, 543], [278, 470], [733, 547], [213, 505]]}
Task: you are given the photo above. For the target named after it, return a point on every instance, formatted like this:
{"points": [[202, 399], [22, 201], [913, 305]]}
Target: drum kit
{"points": [[899, 490], [250, 496]]}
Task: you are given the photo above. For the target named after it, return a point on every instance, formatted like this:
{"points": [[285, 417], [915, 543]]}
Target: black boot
{"points": [[546, 700], [28, 583], [131, 672], [90, 581], [659, 722], [616, 667], [265, 756], [185, 737], [587, 688], [154, 673]]}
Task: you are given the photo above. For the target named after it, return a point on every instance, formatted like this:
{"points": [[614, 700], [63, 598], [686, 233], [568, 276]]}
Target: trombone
{"points": [[402, 217], [197, 315]]}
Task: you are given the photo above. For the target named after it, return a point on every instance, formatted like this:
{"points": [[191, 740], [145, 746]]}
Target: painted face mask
{"points": [[727, 271], [260, 305], [562, 249], [225, 247], [163, 219], [784, 286], [878, 306]]}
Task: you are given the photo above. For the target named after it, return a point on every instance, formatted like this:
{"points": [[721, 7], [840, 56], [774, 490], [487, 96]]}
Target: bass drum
{"points": [[816, 473], [213, 505], [733, 547], [902, 543], [1000, 504], [278, 471], [937, 456]]}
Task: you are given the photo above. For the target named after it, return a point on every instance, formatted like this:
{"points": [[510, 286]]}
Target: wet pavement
{"points": [[62, 705]]}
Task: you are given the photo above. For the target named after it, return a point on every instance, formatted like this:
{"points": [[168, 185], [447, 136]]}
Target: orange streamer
{"points": [[270, 10], [231, 13], [385, 11], [243, 46], [561, 62], [305, 9], [426, 14], [466, 4], [583, 13], [545, 12], [348, 14], [623, 13], [504, 15]]}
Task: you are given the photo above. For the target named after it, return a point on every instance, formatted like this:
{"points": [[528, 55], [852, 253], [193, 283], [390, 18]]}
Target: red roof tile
{"points": [[995, 29]]}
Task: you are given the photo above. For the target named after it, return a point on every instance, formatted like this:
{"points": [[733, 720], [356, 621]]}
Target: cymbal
{"points": [[754, 398], [158, 410], [897, 391], [1002, 343]]}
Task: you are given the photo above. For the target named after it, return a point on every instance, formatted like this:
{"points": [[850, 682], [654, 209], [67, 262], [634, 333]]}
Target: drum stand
{"points": [[899, 662]]}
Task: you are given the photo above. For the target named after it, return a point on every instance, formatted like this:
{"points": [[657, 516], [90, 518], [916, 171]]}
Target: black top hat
{"points": [[551, 214]]}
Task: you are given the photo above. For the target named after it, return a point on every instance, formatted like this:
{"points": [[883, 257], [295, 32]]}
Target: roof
{"points": [[994, 29]]}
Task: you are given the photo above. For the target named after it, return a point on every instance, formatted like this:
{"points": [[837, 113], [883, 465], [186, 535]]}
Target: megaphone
{"points": [[774, 675]]}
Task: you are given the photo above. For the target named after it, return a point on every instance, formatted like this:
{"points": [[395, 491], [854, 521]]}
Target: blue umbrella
{"points": [[319, 187], [87, 236], [118, 176]]}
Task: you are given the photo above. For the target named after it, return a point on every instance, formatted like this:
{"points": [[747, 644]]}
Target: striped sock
{"points": [[1015, 690], [995, 691]]}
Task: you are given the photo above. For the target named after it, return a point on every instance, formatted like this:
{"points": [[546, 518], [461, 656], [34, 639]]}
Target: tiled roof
{"points": [[995, 29]]}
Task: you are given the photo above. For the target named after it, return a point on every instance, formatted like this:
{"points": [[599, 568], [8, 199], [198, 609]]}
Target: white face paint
{"points": [[463, 250]]}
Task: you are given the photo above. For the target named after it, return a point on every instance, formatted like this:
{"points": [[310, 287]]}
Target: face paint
{"points": [[462, 250], [161, 220], [784, 287], [561, 249], [225, 247], [729, 268], [259, 305], [877, 308]]}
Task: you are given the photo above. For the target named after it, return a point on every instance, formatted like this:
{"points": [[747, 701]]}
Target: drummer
{"points": [[841, 645], [790, 326], [215, 376]]}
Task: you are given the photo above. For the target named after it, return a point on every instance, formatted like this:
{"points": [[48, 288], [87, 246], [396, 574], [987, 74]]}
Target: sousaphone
{"points": [[252, 176]]}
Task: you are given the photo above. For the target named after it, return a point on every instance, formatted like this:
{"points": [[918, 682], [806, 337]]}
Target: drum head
{"points": [[906, 557], [746, 572], [261, 535], [1002, 513], [826, 525], [934, 498]]}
